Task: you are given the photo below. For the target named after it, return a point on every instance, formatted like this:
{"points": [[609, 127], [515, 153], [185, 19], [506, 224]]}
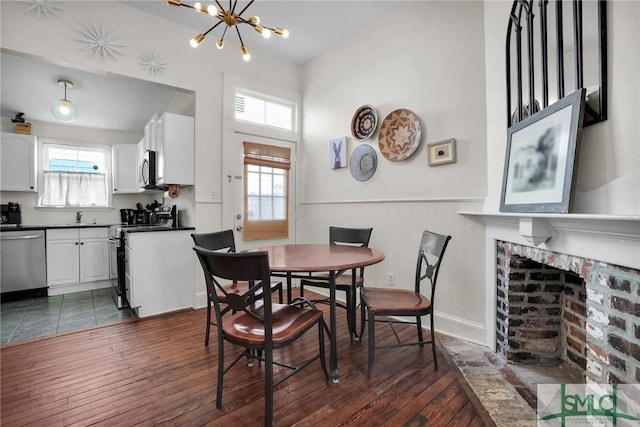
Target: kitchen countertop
{"points": [[24, 227], [142, 229]]}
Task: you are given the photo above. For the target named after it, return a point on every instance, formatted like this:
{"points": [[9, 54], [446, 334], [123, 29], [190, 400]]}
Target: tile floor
{"points": [[34, 317]]}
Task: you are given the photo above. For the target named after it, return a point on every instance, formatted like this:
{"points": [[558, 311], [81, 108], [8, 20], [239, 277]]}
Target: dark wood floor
{"points": [[158, 372]]}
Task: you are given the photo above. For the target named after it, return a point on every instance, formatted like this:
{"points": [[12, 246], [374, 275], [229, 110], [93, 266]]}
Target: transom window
{"points": [[75, 176], [264, 111]]}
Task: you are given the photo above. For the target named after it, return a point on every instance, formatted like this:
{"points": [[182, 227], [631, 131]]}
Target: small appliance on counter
{"points": [[165, 216], [11, 213]]}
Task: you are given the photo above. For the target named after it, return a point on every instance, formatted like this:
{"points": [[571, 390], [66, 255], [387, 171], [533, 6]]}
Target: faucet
{"points": [[78, 217]]}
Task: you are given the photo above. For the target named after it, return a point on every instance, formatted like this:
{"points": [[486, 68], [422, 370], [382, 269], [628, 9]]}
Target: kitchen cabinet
{"points": [[77, 259], [18, 162], [159, 271], [150, 134], [175, 147], [125, 168]]}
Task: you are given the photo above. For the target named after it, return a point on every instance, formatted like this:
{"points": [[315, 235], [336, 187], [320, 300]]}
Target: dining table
{"points": [[315, 261]]}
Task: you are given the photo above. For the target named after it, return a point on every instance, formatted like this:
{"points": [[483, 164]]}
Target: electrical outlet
{"points": [[391, 280]]}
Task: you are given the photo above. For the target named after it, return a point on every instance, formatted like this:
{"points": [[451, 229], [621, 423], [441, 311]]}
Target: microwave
{"points": [[148, 169]]}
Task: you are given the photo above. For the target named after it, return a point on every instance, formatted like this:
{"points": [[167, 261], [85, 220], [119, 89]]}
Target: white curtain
{"points": [[74, 189]]}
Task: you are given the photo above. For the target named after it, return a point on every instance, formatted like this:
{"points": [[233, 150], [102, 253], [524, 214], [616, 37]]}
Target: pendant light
{"points": [[63, 109], [232, 20]]}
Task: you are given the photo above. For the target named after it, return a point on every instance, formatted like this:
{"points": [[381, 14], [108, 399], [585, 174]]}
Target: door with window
{"points": [[261, 132], [264, 189]]}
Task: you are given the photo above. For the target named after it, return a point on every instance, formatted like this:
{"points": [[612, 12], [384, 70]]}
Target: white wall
{"points": [[427, 57], [52, 38], [610, 150], [198, 70]]}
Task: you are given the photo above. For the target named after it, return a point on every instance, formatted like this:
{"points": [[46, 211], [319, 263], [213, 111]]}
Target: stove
{"points": [[117, 235]]}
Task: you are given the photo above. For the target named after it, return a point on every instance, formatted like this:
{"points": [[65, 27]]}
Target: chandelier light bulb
{"points": [[283, 32], [198, 6], [254, 20], [220, 43], [195, 42], [212, 10], [245, 53], [266, 34]]}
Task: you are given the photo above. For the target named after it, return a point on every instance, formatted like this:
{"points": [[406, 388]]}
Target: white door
{"points": [[234, 183]]}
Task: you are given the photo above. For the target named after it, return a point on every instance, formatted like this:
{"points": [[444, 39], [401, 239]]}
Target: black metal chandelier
{"points": [[232, 20]]}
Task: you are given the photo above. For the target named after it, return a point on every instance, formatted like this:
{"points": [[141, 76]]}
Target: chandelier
{"points": [[231, 19]]}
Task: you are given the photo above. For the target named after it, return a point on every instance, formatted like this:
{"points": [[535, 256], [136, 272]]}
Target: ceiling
{"points": [[29, 85]]}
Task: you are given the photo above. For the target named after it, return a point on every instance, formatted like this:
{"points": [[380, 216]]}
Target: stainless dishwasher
{"points": [[23, 260]]}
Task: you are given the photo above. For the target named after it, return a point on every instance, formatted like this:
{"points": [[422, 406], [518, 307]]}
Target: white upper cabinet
{"points": [[125, 168], [150, 134], [175, 147], [18, 162]]}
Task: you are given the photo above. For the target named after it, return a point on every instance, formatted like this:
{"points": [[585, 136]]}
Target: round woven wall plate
{"points": [[400, 134], [364, 162], [364, 122]]}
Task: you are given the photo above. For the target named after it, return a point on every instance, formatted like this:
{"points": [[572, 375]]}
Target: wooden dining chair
{"points": [[347, 281], [405, 302], [224, 241], [258, 326]]}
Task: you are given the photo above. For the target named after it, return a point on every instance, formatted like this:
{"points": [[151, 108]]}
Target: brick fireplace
{"points": [[567, 290], [555, 308]]}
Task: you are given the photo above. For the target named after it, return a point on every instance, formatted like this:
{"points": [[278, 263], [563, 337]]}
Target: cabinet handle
{"points": [[77, 243], [82, 243]]}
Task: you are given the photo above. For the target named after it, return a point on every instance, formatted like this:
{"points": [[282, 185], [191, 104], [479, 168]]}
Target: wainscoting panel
{"points": [[397, 229]]}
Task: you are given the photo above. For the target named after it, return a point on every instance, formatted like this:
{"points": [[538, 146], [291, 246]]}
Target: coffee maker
{"points": [[11, 213], [165, 216]]}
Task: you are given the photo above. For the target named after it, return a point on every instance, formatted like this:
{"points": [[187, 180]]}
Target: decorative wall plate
{"points": [[364, 162], [400, 134], [364, 122]]}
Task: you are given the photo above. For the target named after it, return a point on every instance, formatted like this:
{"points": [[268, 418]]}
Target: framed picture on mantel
{"points": [[540, 163]]}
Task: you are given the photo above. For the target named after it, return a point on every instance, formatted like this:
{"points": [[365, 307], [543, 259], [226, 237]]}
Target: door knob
{"points": [[239, 228]]}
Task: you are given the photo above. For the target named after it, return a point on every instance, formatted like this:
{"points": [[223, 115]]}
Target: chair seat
{"points": [[241, 287], [397, 302], [343, 282], [288, 324]]}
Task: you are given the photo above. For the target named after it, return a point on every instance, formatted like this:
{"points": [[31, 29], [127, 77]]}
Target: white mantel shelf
{"points": [[609, 238]]}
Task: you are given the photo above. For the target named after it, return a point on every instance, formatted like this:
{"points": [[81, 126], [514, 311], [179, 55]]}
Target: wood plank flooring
{"points": [[157, 371]]}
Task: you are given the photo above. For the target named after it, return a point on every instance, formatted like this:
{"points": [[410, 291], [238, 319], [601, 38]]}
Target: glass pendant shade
{"points": [[63, 109]]}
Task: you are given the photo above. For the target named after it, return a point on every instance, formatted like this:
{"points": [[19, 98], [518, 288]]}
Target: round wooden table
{"points": [[291, 261]]}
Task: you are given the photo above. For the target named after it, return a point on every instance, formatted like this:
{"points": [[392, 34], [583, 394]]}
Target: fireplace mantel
{"points": [[608, 238]]}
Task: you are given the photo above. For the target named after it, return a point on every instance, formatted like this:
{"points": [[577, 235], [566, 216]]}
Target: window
{"points": [[263, 111], [266, 173], [75, 176]]}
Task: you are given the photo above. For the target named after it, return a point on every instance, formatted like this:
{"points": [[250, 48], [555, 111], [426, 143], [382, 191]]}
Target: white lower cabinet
{"points": [[77, 259], [159, 271]]}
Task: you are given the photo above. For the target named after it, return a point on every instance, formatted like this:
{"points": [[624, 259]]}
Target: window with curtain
{"points": [[266, 195], [75, 176]]}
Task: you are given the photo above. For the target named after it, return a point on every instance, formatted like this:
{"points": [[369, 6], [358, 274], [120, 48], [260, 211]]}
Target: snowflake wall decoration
{"points": [[153, 61], [44, 7], [100, 40]]}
